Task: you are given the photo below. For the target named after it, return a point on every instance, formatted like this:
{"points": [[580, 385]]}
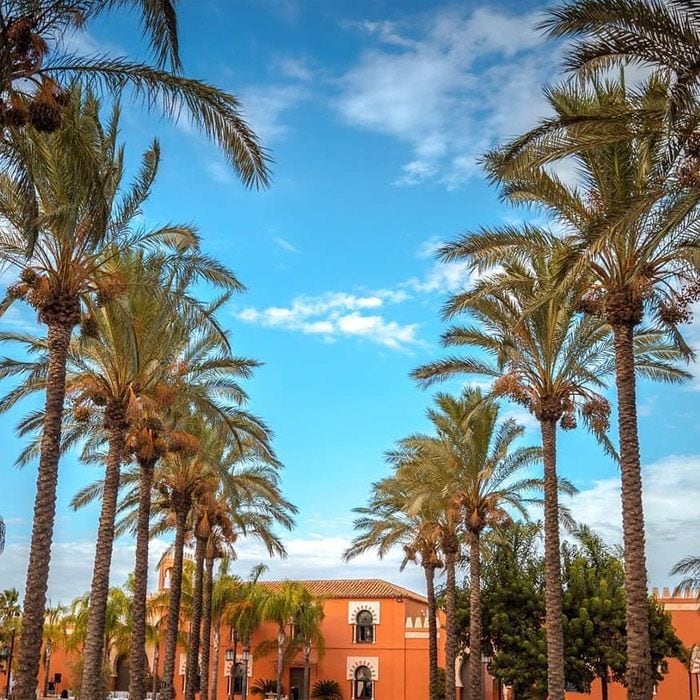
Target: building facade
{"points": [[376, 646]]}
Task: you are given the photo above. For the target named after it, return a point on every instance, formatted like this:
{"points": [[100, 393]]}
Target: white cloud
{"points": [[671, 494], [339, 314], [285, 245], [449, 90], [266, 107], [295, 69], [71, 566], [443, 278]]}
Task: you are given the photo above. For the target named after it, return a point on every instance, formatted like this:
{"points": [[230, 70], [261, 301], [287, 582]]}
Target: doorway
{"points": [[296, 683]]}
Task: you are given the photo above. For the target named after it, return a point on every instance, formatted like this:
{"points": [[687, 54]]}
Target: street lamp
{"points": [[246, 659]]}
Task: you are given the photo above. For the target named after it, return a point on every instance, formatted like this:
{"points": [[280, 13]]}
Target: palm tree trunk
{"points": [[215, 665], [193, 650], [281, 640], [47, 666], [556, 684], [174, 604], [451, 625], [154, 675], [429, 570], [137, 656], [58, 339], [92, 684], [206, 626], [639, 673], [307, 676], [475, 674]]}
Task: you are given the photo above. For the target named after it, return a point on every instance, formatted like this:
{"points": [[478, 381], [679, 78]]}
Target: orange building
{"points": [[376, 645]]}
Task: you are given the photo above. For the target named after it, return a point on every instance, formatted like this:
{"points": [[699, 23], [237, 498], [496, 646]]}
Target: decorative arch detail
{"points": [[354, 662], [357, 606]]}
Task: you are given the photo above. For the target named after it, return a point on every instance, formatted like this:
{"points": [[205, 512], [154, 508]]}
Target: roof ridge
{"points": [[354, 587]]}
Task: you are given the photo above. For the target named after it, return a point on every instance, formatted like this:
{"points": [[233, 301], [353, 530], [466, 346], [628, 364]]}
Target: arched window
{"points": [[364, 627], [363, 684], [238, 680]]}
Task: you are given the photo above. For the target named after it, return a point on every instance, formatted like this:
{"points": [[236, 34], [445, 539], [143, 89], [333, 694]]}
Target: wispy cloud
{"points": [[448, 88], [285, 245], [339, 314], [267, 106], [336, 315]]}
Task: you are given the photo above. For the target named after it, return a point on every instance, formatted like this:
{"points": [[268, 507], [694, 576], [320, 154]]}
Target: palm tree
{"points": [[386, 523], [120, 369], [53, 637], [10, 624], [472, 467], [81, 222], [247, 473], [35, 72], [689, 568], [309, 635], [550, 360], [609, 32], [281, 605], [245, 615], [226, 591], [327, 690], [142, 369], [211, 518], [246, 511], [629, 240]]}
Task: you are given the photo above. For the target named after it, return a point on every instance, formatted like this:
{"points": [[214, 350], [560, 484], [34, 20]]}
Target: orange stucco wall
{"points": [[401, 652]]}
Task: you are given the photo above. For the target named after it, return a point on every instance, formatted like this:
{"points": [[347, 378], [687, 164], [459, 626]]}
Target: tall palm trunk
{"points": [[639, 672], [306, 693], [206, 627], [552, 565], [215, 665], [451, 624], [137, 656], [92, 684], [475, 631], [196, 622], [429, 570], [47, 667], [58, 339], [281, 644], [173, 626]]}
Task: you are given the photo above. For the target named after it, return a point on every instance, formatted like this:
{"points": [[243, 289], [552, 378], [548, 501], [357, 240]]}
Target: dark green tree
{"points": [[593, 607]]}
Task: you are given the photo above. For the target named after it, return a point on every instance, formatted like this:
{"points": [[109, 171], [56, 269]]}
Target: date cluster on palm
{"points": [[42, 105]]}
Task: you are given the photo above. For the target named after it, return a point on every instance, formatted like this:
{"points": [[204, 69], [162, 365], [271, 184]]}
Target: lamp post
{"points": [[246, 659], [230, 656]]}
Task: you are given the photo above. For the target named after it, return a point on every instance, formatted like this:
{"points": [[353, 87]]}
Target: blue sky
{"points": [[375, 113]]}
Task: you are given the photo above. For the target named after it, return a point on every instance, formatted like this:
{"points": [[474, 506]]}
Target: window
{"points": [[363, 683], [238, 680], [364, 627]]}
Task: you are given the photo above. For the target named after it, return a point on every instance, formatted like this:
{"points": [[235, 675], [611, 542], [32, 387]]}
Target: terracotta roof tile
{"points": [[354, 588]]}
